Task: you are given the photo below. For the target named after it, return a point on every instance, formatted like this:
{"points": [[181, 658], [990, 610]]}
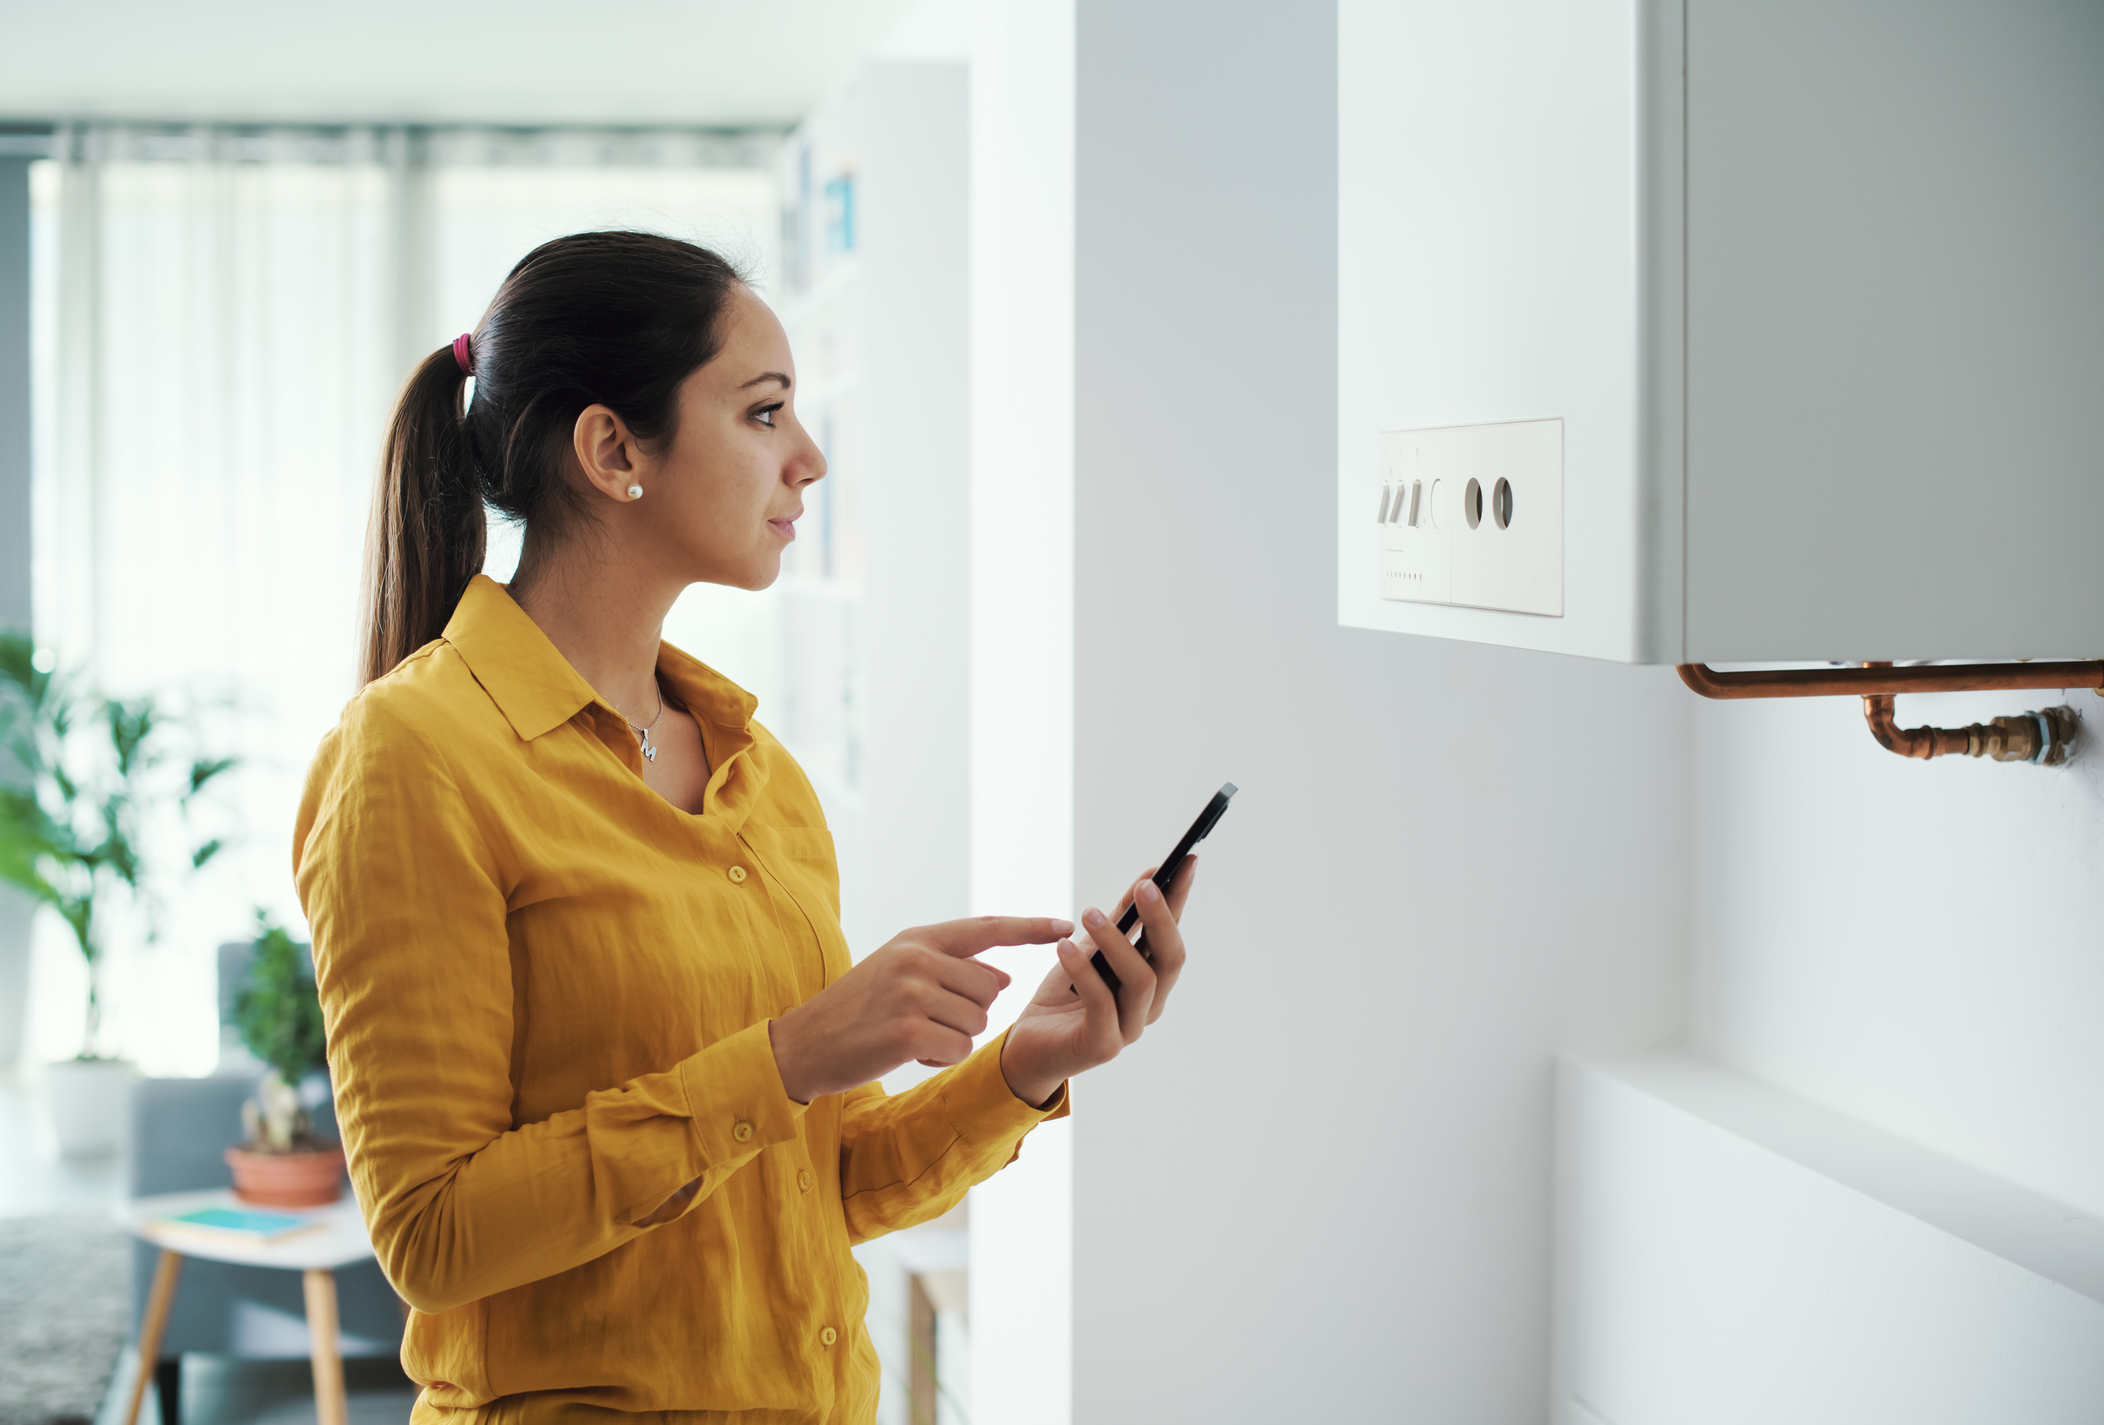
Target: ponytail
{"points": [[427, 534], [614, 319]]}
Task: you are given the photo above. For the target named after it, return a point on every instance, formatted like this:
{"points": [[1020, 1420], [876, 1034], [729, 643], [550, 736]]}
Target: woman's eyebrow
{"points": [[767, 376]]}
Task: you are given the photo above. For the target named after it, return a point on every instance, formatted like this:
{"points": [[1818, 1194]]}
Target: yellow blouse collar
{"points": [[535, 687]]}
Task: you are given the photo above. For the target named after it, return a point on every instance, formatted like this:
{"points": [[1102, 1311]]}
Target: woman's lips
{"points": [[785, 528]]}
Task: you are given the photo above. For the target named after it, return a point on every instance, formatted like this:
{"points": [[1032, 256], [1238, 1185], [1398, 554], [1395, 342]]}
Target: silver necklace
{"points": [[643, 733]]}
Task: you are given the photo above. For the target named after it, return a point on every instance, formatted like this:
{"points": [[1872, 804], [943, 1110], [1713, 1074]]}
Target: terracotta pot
{"points": [[310, 1179]]}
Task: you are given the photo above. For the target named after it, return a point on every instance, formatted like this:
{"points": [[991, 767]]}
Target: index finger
{"points": [[985, 932]]}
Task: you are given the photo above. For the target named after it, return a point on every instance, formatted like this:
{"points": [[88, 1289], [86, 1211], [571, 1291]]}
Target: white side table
{"points": [[340, 1241]]}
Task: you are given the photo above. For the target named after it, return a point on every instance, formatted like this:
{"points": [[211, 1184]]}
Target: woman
{"points": [[605, 1073]]}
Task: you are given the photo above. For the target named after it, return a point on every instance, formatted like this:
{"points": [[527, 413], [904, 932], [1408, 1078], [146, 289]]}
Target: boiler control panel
{"points": [[1473, 515]]}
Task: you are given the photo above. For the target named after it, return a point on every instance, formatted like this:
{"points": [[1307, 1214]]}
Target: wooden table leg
{"points": [[167, 1272], [329, 1406]]}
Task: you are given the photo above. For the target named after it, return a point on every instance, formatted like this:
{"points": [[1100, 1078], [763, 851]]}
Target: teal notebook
{"points": [[240, 1223]]}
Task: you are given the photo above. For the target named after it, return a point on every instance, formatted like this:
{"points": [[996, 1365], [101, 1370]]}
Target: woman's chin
{"points": [[757, 573], [764, 576]]}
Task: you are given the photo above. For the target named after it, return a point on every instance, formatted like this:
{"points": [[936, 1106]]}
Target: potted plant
{"points": [[283, 1163], [94, 810]]}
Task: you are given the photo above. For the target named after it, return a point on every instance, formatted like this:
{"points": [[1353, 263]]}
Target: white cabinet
{"points": [[1812, 290]]}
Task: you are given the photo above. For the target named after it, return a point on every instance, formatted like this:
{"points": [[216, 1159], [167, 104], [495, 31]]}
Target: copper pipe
{"points": [[1924, 742], [2045, 737], [1882, 678]]}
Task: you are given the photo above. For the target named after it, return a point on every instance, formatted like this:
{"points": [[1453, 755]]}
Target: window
{"points": [[222, 317]]}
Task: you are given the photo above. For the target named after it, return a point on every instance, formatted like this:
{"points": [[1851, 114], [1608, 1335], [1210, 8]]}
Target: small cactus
{"points": [[285, 1125]]}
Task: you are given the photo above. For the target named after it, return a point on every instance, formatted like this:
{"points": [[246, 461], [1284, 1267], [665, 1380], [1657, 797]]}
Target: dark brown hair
{"points": [[619, 319]]}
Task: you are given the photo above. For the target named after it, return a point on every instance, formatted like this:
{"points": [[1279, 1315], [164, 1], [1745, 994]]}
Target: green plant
{"points": [[84, 781], [279, 1016]]}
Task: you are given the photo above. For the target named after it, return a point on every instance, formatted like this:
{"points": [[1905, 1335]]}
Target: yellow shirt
{"points": [[547, 992]]}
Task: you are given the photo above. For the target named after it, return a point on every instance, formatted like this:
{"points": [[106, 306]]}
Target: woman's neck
{"points": [[604, 617]]}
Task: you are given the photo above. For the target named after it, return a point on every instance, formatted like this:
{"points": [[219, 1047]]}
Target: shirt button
{"points": [[804, 1180], [743, 1133], [737, 875], [829, 1335]]}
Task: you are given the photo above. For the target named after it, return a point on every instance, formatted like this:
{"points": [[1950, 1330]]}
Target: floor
{"points": [[221, 1391], [35, 1180]]}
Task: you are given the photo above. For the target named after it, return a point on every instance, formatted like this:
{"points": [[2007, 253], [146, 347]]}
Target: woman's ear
{"points": [[606, 452]]}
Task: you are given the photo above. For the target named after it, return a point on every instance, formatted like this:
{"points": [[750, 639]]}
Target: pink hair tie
{"points": [[463, 355]]}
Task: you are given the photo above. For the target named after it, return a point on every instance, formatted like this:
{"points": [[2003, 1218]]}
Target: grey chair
{"points": [[180, 1130]]}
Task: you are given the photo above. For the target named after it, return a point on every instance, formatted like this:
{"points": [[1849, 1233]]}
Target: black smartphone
{"points": [[1163, 877]]}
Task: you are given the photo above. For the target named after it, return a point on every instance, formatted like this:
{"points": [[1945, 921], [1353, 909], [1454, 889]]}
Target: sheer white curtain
{"points": [[221, 319]]}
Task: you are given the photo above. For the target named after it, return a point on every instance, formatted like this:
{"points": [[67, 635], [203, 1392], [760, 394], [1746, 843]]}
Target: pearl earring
{"points": [[635, 492]]}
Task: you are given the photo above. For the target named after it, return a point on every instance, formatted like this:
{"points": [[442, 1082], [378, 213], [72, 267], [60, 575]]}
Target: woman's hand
{"points": [[920, 997], [1062, 1032]]}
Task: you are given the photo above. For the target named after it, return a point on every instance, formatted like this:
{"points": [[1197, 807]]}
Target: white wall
{"points": [[1730, 1254], [1013, 612], [915, 234], [1320, 1188], [1915, 944], [1022, 454], [1904, 955], [1022, 630]]}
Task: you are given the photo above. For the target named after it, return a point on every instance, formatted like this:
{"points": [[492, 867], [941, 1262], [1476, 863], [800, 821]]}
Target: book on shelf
{"points": [[246, 1225]]}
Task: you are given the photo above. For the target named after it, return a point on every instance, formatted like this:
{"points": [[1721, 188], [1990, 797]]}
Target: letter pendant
{"points": [[649, 752]]}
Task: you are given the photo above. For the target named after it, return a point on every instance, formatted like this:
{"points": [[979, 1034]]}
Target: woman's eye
{"points": [[765, 415]]}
